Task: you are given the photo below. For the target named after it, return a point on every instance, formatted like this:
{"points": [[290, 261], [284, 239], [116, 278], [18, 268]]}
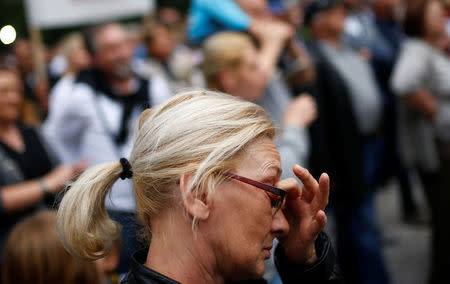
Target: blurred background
{"points": [[358, 88]]}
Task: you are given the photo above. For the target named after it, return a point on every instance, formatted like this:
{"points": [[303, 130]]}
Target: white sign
{"points": [[61, 13]]}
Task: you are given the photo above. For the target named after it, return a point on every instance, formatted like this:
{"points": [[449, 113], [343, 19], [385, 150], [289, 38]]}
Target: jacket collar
{"points": [[141, 274]]}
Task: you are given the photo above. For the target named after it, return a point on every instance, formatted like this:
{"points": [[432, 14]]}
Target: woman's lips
{"points": [[267, 252]]}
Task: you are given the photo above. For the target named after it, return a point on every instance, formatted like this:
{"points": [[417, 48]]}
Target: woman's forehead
{"points": [[261, 158]]}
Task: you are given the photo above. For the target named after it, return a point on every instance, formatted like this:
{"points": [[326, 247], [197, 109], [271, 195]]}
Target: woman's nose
{"points": [[280, 225]]}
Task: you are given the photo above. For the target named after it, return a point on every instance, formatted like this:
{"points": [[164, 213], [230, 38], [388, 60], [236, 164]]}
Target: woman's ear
{"points": [[196, 205]]}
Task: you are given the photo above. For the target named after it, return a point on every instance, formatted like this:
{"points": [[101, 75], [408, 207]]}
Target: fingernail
{"points": [[300, 169]]}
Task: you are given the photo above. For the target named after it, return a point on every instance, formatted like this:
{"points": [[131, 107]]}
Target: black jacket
{"points": [[336, 142], [324, 271]]}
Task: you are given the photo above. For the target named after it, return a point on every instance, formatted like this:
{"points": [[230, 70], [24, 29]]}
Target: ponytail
{"points": [[83, 224]]}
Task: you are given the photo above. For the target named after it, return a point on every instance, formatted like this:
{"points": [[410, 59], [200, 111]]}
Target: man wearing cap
{"points": [[345, 141]]}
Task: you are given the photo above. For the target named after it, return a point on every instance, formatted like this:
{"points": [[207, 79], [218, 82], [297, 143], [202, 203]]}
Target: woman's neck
{"points": [[176, 253]]}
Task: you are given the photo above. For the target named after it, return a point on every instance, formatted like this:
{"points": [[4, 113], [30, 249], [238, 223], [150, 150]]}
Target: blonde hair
{"points": [[33, 254], [198, 132], [223, 51], [71, 43]]}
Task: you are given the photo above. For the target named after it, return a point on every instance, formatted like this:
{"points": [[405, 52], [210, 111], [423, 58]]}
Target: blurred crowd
{"points": [[359, 89]]}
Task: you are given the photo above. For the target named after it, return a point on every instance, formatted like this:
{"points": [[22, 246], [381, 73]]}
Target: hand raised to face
{"points": [[304, 210]]}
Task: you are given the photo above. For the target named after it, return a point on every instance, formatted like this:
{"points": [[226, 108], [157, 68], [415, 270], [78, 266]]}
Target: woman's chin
{"points": [[260, 270], [256, 272]]}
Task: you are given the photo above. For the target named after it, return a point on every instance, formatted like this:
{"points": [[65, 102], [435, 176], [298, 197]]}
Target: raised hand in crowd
{"points": [[301, 112], [271, 42], [304, 210]]}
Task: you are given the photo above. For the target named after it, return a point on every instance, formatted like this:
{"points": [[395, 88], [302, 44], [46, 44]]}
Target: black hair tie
{"points": [[126, 169]]}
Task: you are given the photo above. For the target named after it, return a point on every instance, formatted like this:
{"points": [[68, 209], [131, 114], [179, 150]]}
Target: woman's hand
{"points": [[57, 178], [304, 212]]}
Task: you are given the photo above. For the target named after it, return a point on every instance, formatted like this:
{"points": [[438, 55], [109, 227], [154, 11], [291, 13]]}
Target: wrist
{"points": [[46, 191], [300, 256], [44, 185], [311, 255]]}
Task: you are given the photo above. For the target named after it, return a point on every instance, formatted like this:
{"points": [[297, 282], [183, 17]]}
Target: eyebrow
{"points": [[267, 172]]}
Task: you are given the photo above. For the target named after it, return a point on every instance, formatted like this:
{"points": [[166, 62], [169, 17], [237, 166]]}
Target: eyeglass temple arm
{"points": [[272, 189]]}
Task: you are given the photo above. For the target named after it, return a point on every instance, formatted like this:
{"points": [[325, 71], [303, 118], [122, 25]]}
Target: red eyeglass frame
{"points": [[272, 189]]}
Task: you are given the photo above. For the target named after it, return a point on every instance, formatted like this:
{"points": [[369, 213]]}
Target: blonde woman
{"points": [[231, 65], [206, 178]]}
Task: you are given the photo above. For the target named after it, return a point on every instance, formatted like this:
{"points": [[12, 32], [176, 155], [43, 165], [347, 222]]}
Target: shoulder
{"points": [[159, 89], [81, 93], [413, 46], [63, 84], [61, 91]]}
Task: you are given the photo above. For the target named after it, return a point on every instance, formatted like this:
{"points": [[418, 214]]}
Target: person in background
{"points": [[253, 16], [30, 174], [420, 80], [77, 58], [374, 32], [35, 101], [345, 139], [109, 263], [23, 55], [96, 121], [169, 16], [388, 24], [206, 176], [174, 19], [295, 62], [35, 255], [231, 65], [169, 58]]}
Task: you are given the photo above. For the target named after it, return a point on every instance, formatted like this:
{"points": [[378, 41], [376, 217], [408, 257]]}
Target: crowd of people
{"points": [[148, 116]]}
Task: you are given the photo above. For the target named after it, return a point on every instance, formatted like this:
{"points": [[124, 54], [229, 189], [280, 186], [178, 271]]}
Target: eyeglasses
{"points": [[275, 194]]}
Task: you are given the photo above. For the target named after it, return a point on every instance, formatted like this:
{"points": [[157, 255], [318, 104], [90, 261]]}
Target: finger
{"points": [[318, 224], [321, 198], [291, 186], [321, 219], [307, 179], [310, 185], [307, 194]]}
